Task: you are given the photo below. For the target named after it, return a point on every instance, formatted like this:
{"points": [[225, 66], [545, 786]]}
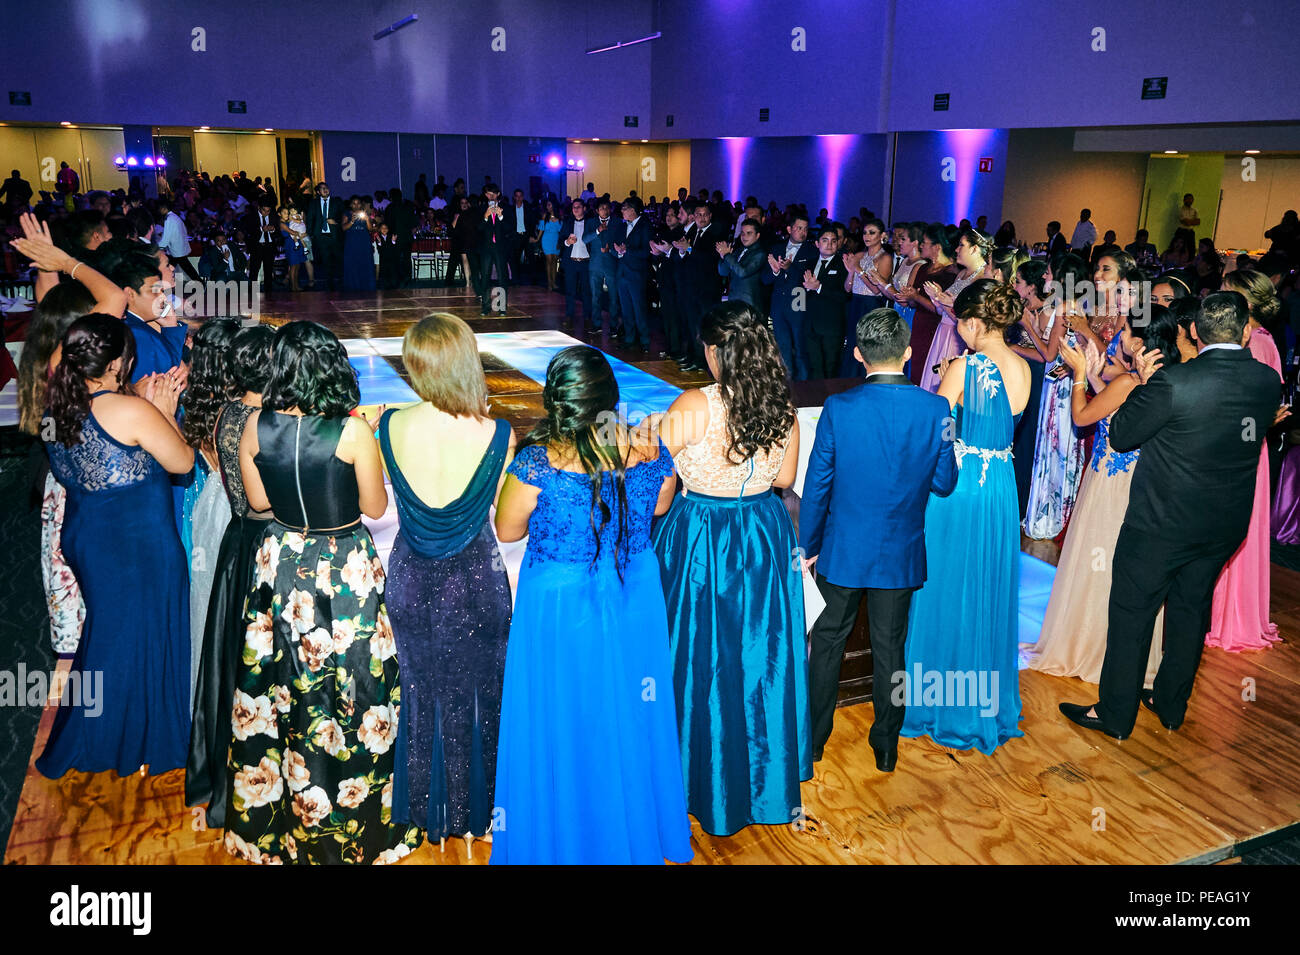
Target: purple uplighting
{"points": [[966, 146], [833, 150], [737, 147]]}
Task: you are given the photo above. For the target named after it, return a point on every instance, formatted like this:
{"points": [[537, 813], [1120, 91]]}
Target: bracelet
{"points": [[1081, 384], [73, 273]]}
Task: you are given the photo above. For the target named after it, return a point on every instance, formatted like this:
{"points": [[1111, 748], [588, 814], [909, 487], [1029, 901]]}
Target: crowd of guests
{"points": [[329, 709]]}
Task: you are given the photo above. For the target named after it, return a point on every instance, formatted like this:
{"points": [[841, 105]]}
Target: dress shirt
{"points": [[173, 240], [325, 214], [579, 248], [1085, 233]]}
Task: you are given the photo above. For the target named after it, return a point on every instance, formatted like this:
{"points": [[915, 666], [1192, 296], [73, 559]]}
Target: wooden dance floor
{"points": [[1229, 778]]}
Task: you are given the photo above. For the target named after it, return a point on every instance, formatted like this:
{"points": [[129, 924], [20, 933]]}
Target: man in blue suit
{"points": [[881, 449], [787, 262], [633, 251], [604, 234]]}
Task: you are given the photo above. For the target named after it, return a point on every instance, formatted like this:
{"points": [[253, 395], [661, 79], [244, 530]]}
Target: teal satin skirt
{"points": [[734, 593]]}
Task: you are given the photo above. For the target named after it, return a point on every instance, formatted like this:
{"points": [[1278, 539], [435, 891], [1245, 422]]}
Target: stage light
{"points": [[581, 164], [553, 162], [119, 161], [148, 160], [572, 164], [596, 139], [132, 161], [162, 160]]}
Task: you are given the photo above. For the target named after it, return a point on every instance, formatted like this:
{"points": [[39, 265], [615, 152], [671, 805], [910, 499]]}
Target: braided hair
{"points": [[90, 345]]}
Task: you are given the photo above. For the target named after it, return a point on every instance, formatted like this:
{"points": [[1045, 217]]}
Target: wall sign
{"points": [[20, 98], [670, 119], [940, 102], [631, 120], [764, 114], [1153, 87], [236, 106]]}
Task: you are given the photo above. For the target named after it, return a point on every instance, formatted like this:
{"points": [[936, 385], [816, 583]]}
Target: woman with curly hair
{"points": [[964, 621], [588, 766], [732, 585], [248, 363], [317, 691], [1239, 616], [206, 510], [125, 703]]}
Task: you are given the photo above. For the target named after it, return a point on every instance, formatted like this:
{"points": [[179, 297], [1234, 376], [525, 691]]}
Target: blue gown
{"points": [[122, 545], [963, 680], [358, 258], [588, 765]]}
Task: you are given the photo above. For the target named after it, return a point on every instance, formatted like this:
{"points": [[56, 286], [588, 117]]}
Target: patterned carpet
{"points": [[24, 627]]}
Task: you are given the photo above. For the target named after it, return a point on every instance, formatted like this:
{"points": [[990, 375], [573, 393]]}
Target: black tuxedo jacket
{"points": [[400, 217], [316, 222], [826, 306], [1200, 426], [700, 269], [787, 280], [252, 226], [530, 220], [502, 228]]}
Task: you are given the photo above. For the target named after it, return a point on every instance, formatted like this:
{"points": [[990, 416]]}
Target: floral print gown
{"points": [[1059, 458], [316, 706]]}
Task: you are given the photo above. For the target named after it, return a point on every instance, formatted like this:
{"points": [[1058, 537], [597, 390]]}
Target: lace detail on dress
{"points": [[706, 469], [230, 429], [560, 527], [1117, 462], [98, 463]]}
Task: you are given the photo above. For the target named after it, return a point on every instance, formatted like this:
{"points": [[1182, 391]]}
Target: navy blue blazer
{"points": [[636, 259], [604, 261], [881, 449]]}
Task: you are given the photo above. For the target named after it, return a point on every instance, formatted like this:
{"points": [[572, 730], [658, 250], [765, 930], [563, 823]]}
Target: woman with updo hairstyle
{"points": [[1240, 612], [588, 764], [965, 618], [317, 688], [207, 511], [1059, 452], [740, 670], [248, 366], [126, 701], [447, 593], [1072, 641]]}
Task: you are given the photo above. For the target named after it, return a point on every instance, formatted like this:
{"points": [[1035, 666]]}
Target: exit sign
{"points": [[986, 164], [631, 121], [1154, 87], [535, 158]]}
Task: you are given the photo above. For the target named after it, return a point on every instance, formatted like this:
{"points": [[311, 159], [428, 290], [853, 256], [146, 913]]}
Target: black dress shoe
{"points": [[1149, 701], [817, 756], [690, 366], [1077, 713], [886, 759]]}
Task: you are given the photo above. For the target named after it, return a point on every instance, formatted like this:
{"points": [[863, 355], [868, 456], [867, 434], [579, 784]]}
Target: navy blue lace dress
{"points": [[126, 703], [588, 764]]}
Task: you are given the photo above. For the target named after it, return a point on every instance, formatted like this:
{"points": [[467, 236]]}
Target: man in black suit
{"points": [[633, 251], [787, 262], [826, 301], [222, 262], [668, 265], [400, 217], [1056, 244], [604, 265], [262, 233], [743, 267], [522, 221], [323, 215], [701, 286], [1200, 426], [495, 237], [575, 257]]}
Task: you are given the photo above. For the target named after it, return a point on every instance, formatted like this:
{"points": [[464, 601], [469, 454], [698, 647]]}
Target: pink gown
{"points": [[1239, 618]]}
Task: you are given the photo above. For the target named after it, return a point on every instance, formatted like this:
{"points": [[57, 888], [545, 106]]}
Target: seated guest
{"points": [[1140, 248], [126, 703], [447, 592], [1073, 637], [588, 760], [740, 670], [880, 450], [317, 689], [222, 261], [1189, 510], [249, 363]]}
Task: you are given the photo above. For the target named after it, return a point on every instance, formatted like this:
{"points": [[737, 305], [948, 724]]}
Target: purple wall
{"points": [[720, 61], [937, 177], [1028, 63], [131, 61], [839, 172]]}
